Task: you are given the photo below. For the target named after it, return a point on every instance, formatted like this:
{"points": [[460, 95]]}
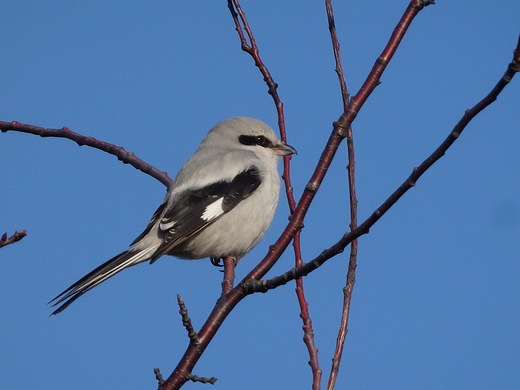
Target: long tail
{"points": [[128, 258]]}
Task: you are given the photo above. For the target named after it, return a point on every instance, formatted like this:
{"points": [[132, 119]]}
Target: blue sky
{"points": [[437, 299]]}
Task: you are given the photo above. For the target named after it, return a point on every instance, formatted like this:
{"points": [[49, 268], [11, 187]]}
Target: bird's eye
{"points": [[259, 140]]}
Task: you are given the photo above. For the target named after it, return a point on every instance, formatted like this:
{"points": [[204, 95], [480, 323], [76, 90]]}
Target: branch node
{"points": [[381, 61], [312, 187], [342, 128]]}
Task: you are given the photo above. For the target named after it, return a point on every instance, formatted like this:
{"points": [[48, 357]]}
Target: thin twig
{"points": [[351, 272], [252, 49], [308, 336], [337, 54], [201, 379], [158, 376], [186, 321], [308, 332], [123, 155], [17, 236]]}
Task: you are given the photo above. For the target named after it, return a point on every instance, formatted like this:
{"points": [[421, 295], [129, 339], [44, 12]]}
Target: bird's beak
{"points": [[284, 150]]}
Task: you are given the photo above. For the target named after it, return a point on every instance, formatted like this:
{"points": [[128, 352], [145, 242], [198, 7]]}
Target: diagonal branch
{"points": [[123, 155], [338, 247]]}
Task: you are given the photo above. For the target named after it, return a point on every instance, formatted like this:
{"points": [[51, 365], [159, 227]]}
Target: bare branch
{"points": [[17, 236], [252, 49], [339, 132], [337, 55], [123, 155], [308, 332], [347, 290], [338, 247]]}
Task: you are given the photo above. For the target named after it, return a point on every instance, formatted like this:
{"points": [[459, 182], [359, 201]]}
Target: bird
{"points": [[219, 205]]}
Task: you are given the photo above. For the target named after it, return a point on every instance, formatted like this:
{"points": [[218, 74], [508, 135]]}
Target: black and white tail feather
{"points": [[219, 205]]}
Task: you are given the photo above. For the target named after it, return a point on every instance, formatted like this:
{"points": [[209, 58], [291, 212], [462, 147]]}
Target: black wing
{"points": [[196, 209]]}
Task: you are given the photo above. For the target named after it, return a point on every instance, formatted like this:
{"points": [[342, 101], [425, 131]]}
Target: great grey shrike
{"points": [[219, 205]]}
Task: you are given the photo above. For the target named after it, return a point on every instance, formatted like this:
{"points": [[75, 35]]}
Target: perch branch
{"points": [[229, 275]]}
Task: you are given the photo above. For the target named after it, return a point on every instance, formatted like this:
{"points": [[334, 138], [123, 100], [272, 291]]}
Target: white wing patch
{"points": [[214, 210]]}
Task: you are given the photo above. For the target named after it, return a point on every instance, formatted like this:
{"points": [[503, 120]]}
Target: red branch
{"points": [[308, 332], [252, 49], [229, 275], [17, 236], [337, 56], [118, 151], [339, 132], [251, 282], [338, 247]]}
